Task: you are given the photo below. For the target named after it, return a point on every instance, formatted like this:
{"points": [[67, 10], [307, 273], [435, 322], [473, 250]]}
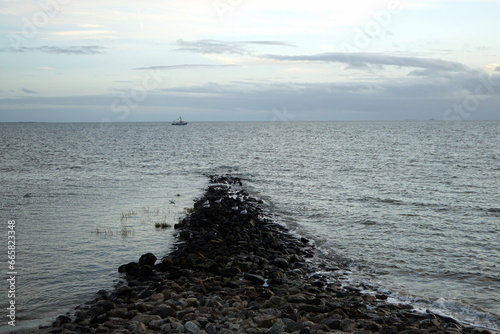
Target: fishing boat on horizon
{"points": [[179, 122]]}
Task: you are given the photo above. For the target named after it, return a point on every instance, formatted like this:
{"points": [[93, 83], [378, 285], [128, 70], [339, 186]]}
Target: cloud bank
{"points": [[68, 50], [367, 60]]}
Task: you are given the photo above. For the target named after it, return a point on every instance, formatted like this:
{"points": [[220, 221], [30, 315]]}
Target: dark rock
{"points": [[124, 291], [257, 279], [210, 329], [147, 259], [131, 268], [264, 320], [389, 330], [291, 325], [276, 328], [192, 327], [281, 263], [146, 270], [200, 288], [347, 325], [61, 320], [313, 308], [164, 311], [232, 284]]}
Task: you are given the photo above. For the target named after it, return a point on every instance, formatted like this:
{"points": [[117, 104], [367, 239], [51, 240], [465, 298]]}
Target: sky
{"points": [[249, 60]]}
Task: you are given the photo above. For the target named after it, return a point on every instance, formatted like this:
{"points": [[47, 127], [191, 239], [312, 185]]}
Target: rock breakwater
{"points": [[233, 270]]}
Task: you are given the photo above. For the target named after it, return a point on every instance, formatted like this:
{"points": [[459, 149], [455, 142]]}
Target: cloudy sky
{"points": [[230, 60]]}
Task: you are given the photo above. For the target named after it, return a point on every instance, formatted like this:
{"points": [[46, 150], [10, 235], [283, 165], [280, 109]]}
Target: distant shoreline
{"points": [[256, 121]]}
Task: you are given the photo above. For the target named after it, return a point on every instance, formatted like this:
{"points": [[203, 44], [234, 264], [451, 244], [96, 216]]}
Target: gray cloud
{"points": [[386, 98], [497, 69], [69, 50], [212, 46], [29, 91], [181, 67], [370, 60]]}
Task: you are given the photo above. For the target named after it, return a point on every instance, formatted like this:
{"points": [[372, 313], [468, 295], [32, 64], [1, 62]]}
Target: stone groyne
{"points": [[232, 270]]}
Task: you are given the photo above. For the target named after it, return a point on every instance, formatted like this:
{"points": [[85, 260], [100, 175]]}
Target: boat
{"points": [[179, 122]]}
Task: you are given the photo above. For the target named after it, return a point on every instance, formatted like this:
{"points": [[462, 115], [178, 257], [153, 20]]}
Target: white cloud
{"points": [[211, 46]]}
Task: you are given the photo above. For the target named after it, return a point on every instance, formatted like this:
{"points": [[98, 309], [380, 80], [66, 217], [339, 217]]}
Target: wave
{"points": [[455, 309]]}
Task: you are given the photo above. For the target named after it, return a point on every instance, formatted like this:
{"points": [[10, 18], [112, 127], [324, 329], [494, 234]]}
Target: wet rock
{"points": [[61, 320], [124, 291], [131, 268], [281, 263], [147, 259], [256, 279]]}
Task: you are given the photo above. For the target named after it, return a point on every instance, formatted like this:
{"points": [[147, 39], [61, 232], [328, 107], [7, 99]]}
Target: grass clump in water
{"points": [[162, 225], [129, 214]]}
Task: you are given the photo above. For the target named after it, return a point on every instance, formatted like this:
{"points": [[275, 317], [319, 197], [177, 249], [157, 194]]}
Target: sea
{"points": [[409, 207]]}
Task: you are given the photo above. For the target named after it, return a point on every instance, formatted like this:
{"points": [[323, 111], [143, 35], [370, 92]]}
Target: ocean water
{"points": [[410, 207]]}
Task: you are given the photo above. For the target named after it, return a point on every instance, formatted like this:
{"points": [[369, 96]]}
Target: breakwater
{"points": [[233, 270]]}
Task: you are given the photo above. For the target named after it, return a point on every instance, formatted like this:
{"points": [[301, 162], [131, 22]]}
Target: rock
{"points": [[115, 323], [165, 328], [141, 307], [210, 329], [193, 302], [275, 329], [137, 327], [264, 320], [257, 279], [389, 330], [278, 301], [146, 270], [281, 263], [131, 268], [124, 291], [146, 318], [164, 311], [191, 327], [147, 259], [102, 330], [347, 325], [61, 320], [291, 325], [332, 323], [233, 284]]}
